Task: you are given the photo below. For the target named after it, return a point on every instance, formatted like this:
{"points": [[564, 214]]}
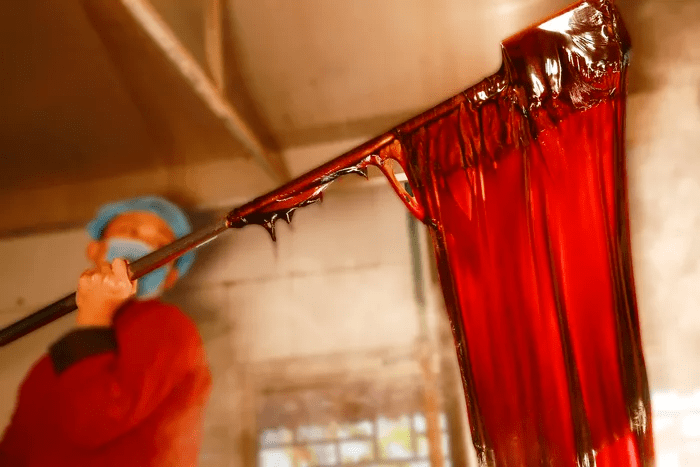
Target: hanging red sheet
{"points": [[522, 179], [527, 190]]}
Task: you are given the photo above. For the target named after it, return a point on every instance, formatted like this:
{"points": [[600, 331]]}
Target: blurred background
{"points": [[330, 347]]}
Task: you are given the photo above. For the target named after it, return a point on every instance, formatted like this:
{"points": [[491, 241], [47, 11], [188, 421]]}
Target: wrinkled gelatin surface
{"points": [[522, 180]]}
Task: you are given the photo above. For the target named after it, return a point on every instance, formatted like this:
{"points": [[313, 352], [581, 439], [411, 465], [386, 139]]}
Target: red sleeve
{"points": [[12, 446], [16, 443], [104, 395]]}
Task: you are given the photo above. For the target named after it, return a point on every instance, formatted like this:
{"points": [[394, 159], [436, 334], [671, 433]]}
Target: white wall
{"points": [[664, 170], [340, 265], [35, 271]]}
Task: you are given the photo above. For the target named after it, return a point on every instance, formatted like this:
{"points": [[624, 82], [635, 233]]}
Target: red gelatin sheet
{"points": [[527, 191], [522, 181]]}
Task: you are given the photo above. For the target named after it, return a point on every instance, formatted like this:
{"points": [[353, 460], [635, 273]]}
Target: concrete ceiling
{"points": [[87, 94], [92, 88], [324, 69]]}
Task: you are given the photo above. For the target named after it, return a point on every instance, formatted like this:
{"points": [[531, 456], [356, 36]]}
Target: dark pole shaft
{"points": [[36, 320], [261, 204], [138, 268]]}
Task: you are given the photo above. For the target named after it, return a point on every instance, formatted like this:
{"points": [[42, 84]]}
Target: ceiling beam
{"points": [[154, 29], [213, 42], [236, 85]]}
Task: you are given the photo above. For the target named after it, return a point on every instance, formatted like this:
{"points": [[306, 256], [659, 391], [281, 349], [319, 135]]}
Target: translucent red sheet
{"points": [[522, 179], [534, 257], [528, 193]]}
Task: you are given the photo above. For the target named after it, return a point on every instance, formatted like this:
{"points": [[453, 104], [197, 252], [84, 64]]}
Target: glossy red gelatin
{"points": [[522, 180], [528, 195]]}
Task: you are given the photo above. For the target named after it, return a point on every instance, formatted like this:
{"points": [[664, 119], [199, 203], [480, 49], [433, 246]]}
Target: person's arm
{"points": [[12, 446], [16, 442], [109, 384]]}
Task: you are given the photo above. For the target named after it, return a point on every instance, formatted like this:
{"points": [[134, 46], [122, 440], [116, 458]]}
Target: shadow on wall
{"points": [[663, 136]]}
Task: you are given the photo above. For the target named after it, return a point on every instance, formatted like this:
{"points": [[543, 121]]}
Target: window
{"points": [[399, 441], [676, 428], [367, 425]]}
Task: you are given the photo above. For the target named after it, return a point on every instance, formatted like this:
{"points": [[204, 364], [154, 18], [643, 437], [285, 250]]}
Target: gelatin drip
{"points": [[522, 179]]}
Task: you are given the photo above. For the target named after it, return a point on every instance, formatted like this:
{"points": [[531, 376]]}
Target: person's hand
{"points": [[101, 291]]}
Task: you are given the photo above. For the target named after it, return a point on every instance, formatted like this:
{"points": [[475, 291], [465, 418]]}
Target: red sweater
{"points": [[130, 395]]}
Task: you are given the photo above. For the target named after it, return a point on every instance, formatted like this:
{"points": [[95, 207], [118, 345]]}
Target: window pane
{"points": [[356, 451], [316, 454], [422, 446], [273, 437], [419, 423], [445, 445], [276, 458], [395, 438], [355, 430], [314, 433]]}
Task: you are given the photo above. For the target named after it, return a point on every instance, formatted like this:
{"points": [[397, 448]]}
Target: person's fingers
{"points": [[88, 272], [110, 281], [84, 280], [120, 270], [94, 276]]}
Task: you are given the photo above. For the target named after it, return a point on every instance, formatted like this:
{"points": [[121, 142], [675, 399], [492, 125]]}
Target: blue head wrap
{"points": [[170, 213]]}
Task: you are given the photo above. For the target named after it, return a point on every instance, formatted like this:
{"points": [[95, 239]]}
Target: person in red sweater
{"points": [[129, 385]]}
